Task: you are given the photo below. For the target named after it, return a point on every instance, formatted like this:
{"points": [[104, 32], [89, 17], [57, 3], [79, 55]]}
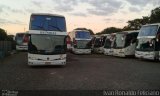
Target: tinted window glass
{"points": [[83, 35], [148, 30], [47, 44], [47, 23]]}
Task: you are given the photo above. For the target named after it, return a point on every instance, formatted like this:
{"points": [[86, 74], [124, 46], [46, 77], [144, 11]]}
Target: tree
{"points": [[3, 34], [110, 30], [91, 32], [137, 23], [155, 15], [10, 37]]}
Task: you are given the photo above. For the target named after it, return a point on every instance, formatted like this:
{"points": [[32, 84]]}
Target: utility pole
{"points": [[24, 29]]}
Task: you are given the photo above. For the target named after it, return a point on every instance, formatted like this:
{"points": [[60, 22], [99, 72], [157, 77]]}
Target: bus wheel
{"points": [[156, 59]]}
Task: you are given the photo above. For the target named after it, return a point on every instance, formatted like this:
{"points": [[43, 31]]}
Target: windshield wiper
{"points": [[39, 26], [56, 28]]}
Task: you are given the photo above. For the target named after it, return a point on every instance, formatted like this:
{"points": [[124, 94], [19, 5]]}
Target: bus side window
{"points": [[128, 40], [134, 39], [158, 35], [158, 40]]}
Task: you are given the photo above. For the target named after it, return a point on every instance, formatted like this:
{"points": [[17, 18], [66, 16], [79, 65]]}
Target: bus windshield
{"points": [[83, 35], [145, 44], [47, 23], [47, 44], [120, 40], [97, 42], [83, 44], [148, 30], [108, 43]]}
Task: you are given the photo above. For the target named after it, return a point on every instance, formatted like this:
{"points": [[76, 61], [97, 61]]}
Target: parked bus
{"points": [[47, 40], [125, 43], [21, 41], [68, 41], [80, 41], [99, 43], [148, 46], [109, 43]]}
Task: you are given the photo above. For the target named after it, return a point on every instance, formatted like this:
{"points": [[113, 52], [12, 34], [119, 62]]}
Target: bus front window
{"points": [[47, 44], [145, 44], [19, 39], [83, 44], [120, 40], [107, 43], [83, 35], [148, 31], [47, 23]]}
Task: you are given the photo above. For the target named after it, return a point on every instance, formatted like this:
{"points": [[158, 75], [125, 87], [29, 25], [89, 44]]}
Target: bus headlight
{"points": [[31, 58], [62, 57]]}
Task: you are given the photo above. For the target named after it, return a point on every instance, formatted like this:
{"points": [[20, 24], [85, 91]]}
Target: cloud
{"points": [[29, 10], [79, 14], [135, 9], [3, 8], [143, 3], [104, 7], [140, 5], [6, 21], [109, 20], [65, 5], [7, 9], [37, 3]]}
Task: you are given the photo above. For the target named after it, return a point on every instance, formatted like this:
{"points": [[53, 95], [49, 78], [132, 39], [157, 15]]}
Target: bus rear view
{"points": [[47, 40], [81, 42], [21, 42]]}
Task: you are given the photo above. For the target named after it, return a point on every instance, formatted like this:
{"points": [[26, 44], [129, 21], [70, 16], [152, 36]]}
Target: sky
{"points": [[92, 14]]}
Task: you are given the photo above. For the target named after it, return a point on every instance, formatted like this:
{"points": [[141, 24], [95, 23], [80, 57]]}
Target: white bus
{"points": [[47, 40], [125, 43], [21, 41], [68, 41], [148, 46], [80, 41], [99, 43], [109, 43]]}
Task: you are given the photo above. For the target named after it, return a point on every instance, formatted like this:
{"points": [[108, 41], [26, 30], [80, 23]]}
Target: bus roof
{"points": [[152, 24], [21, 33], [82, 30], [132, 31], [104, 34], [47, 14]]}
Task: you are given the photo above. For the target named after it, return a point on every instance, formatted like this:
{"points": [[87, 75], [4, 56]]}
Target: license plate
{"points": [[47, 63]]}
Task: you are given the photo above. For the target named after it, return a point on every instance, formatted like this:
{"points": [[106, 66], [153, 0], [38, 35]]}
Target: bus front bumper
{"points": [[82, 51], [145, 55], [108, 51], [40, 62], [119, 53], [21, 47], [98, 50]]}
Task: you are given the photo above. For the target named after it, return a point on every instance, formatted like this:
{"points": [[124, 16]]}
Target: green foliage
{"points": [[136, 23], [10, 38], [155, 15], [3, 35], [110, 30]]}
